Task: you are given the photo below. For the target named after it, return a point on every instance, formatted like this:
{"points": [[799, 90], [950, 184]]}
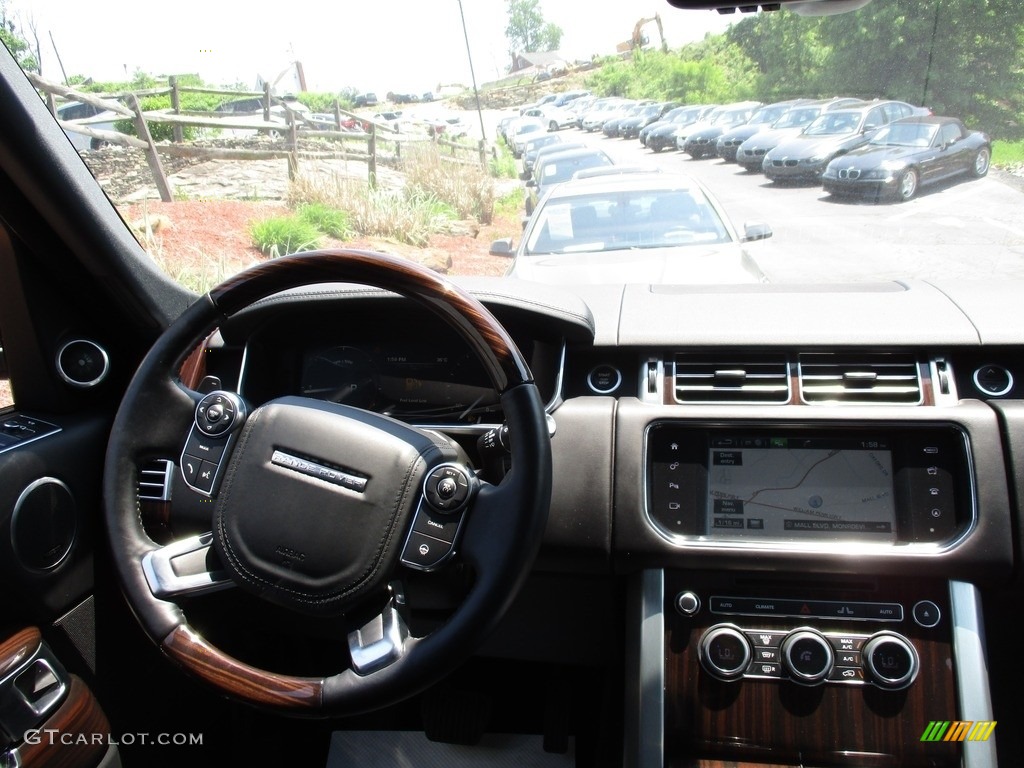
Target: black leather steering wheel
{"points": [[315, 502]]}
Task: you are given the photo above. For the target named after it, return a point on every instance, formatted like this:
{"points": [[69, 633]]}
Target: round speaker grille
{"points": [[43, 524], [82, 363]]}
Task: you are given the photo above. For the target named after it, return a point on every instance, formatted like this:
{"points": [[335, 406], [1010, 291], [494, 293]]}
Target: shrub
{"points": [[466, 187], [502, 164], [330, 221], [284, 235]]}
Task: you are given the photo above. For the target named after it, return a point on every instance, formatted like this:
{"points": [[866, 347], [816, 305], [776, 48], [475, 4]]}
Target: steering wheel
{"points": [[320, 507]]}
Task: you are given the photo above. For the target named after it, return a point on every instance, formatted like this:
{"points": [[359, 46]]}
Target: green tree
{"points": [[16, 44], [527, 31]]}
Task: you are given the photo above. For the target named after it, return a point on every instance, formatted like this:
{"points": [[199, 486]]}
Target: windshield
{"points": [[273, 138], [835, 123], [613, 221], [906, 135]]}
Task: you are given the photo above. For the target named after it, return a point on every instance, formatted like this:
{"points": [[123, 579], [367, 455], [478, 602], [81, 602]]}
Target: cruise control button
{"points": [[442, 527], [425, 551]]}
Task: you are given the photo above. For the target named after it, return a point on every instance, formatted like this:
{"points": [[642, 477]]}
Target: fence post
{"points": [[162, 184], [483, 153], [337, 115], [266, 102], [51, 103], [176, 106], [371, 161], [293, 146]]}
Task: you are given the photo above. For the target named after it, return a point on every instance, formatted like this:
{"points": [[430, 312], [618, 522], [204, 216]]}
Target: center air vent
{"points": [[860, 378], [708, 378]]}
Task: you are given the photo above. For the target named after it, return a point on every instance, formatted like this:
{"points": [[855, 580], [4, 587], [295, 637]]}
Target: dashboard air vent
{"points": [[860, 378], [753, 378], [155, 480]]}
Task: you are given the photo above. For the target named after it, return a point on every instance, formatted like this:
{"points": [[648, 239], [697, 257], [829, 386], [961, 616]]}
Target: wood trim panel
{"points": [[245, 682], [76, 735], [18, 647], [709, 723]]}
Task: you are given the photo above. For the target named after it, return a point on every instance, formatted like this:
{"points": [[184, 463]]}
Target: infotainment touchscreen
{"points": [[807, 487]]}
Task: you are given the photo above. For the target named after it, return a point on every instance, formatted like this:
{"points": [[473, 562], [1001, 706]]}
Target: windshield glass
{"points": [[268, 137], [906, 135]]}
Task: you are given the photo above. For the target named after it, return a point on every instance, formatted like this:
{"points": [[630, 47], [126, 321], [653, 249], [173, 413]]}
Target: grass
{"points": [[283, 235], [331, 221], [1007, 152], [510, 204], [502, 164]]}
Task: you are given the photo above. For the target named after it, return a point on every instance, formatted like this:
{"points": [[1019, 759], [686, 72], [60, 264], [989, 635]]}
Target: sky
{"points": [[370, 45]]}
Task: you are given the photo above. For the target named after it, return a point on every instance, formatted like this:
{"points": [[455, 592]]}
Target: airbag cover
{"points": [[312, 544]]}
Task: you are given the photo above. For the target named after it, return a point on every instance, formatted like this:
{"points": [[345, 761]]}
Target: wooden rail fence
{"points": [[296, 126]]}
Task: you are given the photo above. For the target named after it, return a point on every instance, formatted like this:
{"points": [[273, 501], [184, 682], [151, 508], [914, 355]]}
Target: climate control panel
{"points": [[807, 656]]}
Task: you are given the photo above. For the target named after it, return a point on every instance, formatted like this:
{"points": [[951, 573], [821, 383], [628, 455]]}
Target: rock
{"points": [[439, 261], [152, 224]]}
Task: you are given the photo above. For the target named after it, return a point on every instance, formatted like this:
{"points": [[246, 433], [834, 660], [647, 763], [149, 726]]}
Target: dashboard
{"points": [[801, 525]]}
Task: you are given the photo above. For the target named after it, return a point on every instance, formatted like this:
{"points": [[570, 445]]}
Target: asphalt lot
{"points": [[956, 231]]}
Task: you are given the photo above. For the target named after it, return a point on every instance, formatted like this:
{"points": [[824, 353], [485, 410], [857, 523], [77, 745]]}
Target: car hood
{"points": [[811, 146], [711, 132], [723, 263], [742, 132], [771, 137], [870, 156]]}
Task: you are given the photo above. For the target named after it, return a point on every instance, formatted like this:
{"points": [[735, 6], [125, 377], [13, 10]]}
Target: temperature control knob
{"points": [[725, 652], [890, 660], [807, 656]]}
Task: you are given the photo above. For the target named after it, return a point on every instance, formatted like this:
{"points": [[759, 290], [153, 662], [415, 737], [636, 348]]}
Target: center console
{"points": [[805, 593]]}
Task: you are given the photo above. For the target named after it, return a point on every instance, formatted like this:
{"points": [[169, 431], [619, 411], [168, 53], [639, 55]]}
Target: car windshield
{"points": [[614, 221], [273, 139], [833, 124], [906, 135]]}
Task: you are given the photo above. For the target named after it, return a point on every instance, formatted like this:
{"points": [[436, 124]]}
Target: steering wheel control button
{"points": [[219, 413], [205, 477], [926, 614], [890, 660], [724, 652], [687, 603], [448, 487], [425, 553], [204, 448], [444, 527], [807, 656]]}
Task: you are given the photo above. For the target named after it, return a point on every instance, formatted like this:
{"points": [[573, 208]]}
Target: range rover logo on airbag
{"points": [[319, 471]]}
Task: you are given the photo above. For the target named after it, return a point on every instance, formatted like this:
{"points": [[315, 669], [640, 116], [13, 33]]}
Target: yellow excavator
{"points": [[642, 40]]}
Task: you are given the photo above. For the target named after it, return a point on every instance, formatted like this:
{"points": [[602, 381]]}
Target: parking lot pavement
{"points": [[959, 230]]}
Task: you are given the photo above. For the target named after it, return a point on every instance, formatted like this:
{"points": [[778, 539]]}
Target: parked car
{"points": [[90, 116], [664, 135], [909, 154], [283, 109], [602, 110], [610, 127], [549, 98], [706, 121], [555, 167], [750, 154], [728, 143], [568, 97], [556, 118], [530, 160], [700, 142], [651, 228], [629, 128], [523, 132], [367, 99], [832, 134], [535, 145]]}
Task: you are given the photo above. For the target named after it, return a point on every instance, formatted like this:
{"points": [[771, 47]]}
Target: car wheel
{"points": [[982, 160], [656, 148], [553, 126], [906, 187], [350, 578], [100, 144]]}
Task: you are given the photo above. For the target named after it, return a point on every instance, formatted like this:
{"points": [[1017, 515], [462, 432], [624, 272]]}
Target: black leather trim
{"points": [[306, 543]]}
